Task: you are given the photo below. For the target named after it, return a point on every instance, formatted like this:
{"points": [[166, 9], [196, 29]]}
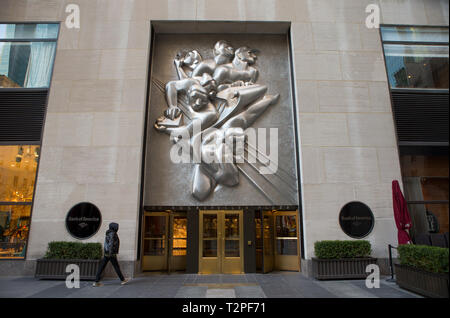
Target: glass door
{"points": [[164, 241], [232, 242], [178, 242], [209, 261], [221, 242], [286, 241], [155, 241]]}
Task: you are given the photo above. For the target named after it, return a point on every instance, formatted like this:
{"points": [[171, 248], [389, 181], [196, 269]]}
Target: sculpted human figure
{"points": [[221, 97], [238, 71], [223, 54], [173, 88], [223, 170], [201, 110]]}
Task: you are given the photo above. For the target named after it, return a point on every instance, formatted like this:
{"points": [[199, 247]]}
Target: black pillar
{"points": [[192, 241], [249, 241]]}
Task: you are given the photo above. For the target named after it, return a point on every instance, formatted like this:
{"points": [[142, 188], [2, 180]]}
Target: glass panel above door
{"points": [[155, 227], [286, 226]]}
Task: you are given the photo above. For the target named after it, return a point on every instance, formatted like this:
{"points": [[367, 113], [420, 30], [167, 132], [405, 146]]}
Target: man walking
{"points": [[111, 249]]}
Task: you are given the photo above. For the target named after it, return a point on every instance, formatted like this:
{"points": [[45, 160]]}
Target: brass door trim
{"points": [[206, 264], [153, 262], [165, 262], [294, 265]]}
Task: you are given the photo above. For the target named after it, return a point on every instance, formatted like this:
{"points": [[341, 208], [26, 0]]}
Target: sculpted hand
{"points": [[172, 112]]}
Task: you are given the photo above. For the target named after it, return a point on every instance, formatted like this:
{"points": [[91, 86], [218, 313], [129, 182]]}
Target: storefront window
{"points": [[425, 180], [18, 172], [27, 52], [416, 57], [17, 178], [14, 228]]}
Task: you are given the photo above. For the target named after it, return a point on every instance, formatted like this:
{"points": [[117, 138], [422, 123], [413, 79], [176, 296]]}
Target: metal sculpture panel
{"points": [[211, 111]]}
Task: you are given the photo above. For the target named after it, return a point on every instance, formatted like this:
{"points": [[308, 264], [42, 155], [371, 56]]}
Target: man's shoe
{"points": [[97, 284], [124, 281]]}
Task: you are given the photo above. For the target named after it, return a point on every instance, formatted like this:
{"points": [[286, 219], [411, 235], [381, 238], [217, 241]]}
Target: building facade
{"points": [[331, 87]]}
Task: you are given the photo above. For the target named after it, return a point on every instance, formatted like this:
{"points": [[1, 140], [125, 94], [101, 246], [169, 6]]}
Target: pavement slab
{"points": [[273, 285]]}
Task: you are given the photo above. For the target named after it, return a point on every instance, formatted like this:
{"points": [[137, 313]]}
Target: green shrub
{"points": [[342, 249], [73, 250], [428, 258]]}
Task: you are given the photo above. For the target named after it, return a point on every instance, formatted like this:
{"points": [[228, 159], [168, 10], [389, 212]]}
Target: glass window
{"points": [[28, 31], [417, 66], [416, 57], [425, 182], [155, 227], [210, 235], [414, 34], [18, 172], [286, 226], [27, 52], [14, 228], [17, 177], [179, 236]]}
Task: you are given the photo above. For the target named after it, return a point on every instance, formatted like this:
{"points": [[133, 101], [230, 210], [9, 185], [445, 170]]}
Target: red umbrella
{"points": [[401, 214]]}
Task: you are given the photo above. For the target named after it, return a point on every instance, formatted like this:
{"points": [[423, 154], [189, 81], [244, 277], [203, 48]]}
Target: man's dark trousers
{"points": [[103, 264]]}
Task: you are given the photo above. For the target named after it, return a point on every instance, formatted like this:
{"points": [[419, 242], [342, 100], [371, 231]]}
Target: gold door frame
{"points": [[167, 261], [286, 262], [157, 262], [220, 263]]}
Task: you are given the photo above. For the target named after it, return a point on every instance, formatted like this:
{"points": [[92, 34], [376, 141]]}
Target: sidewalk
{"points": [[273, 285]]}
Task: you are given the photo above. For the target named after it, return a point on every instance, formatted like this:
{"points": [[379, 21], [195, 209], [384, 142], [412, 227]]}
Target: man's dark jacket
{"points": [[112, 242]]}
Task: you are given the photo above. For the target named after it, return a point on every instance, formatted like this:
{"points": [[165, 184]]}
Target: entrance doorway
{"points": [[221, 242], [277, 236], [164, 241]]}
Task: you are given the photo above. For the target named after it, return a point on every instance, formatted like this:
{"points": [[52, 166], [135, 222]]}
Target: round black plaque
{"points": [[356, 219], [83, 220]]}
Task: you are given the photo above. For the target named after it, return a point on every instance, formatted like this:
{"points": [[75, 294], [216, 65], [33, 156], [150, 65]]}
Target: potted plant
{"points": [[423, 269], [60, 254], [342, 259]]}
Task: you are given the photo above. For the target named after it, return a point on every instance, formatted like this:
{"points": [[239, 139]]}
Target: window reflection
{"points": [[417, 66], [414, 34], [231, 226], [209, 226], [416, 57], [154, 247], [209, 235], [155, 227], [286, 226], [26, 64], [209, 248], [28, 61], [231, 248], [425, 182], [286, 247]]}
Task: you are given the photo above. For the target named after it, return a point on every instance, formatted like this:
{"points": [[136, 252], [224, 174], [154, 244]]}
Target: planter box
{"points": [[56, 268], [346, 268], [422, 282]]}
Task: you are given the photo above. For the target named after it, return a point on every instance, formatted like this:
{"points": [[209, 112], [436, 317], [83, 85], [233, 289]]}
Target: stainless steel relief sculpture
{"points": [[213, 102]]}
